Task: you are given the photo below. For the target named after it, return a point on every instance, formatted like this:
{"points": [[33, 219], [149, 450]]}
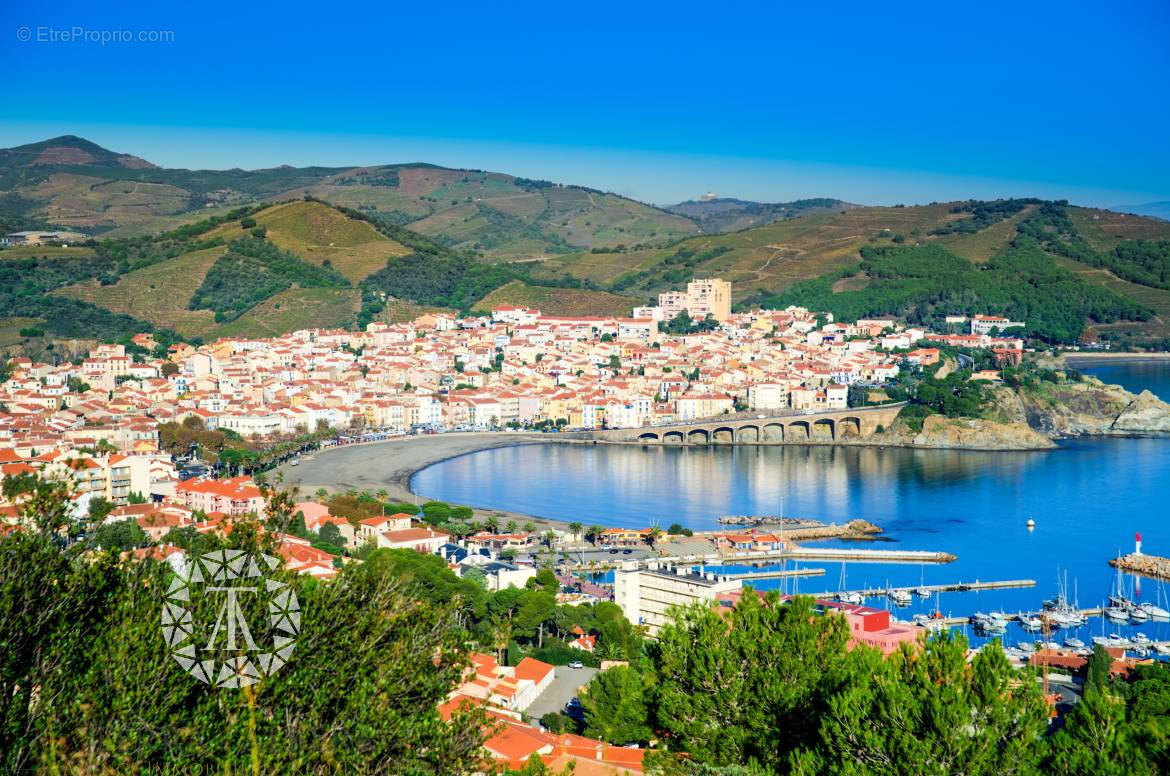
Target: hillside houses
{"points": [[515, 368]]}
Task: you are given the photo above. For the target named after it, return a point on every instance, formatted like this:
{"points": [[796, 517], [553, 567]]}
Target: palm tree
{"points": [[575, 529], [593, 533], [530, 526], [511, 526], [549, 537], [493, 524], [321, 494], [382, 494], [654, 535]]}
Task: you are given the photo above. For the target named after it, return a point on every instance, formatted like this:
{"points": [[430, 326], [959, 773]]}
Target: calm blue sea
{"points": [[1088, 499]]}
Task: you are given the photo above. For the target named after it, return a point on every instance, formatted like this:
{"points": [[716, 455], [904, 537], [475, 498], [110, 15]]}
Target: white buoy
{"points": [[1031, 523]]}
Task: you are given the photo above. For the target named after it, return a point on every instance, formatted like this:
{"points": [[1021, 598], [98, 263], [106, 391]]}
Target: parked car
{"points": [[627, 552], [576, 664]]}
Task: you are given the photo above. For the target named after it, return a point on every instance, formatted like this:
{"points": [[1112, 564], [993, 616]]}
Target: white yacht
{"points": [[1155, 612], [899, 597], [1117, 614], [1030, 622]]}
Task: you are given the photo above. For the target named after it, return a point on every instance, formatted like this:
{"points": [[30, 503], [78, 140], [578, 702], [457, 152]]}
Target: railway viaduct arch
{"points": [[813, 428]]}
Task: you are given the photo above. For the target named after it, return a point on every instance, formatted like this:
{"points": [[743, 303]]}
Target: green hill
{"points": [[724, 214], [72, 182], [200, 253], [1107, 273], [264, 270]]}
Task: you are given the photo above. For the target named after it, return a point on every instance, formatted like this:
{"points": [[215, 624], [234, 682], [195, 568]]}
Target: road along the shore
{"points": [[389, 465]]}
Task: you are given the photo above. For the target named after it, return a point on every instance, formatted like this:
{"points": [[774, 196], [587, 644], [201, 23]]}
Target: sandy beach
{"points": [[389, 465]]}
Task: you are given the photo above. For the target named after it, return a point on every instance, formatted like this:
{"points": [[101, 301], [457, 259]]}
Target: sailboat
{"points": [[1119, 600], [899, 596], [922, 591], [845, 596]]}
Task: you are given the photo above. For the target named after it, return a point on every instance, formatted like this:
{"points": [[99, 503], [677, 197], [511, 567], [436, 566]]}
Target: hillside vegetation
{"points": [[732, 215], [73, 182], [384, 240], [923, 284], [769, 257], [559, 301], [253, 270]]}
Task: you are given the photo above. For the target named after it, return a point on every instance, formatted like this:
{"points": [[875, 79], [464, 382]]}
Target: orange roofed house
{"points": [[513, 688], [233, 497], [514, 744]]}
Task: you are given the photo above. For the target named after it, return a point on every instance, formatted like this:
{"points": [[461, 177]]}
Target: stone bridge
{"points": [[820, 427]]}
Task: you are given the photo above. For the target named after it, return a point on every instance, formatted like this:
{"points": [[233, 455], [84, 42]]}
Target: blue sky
{"points": [[872, 102]]}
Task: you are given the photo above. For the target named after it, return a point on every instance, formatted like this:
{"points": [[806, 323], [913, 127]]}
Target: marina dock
{"points": [[953, 587], [1014, 617], [870, 556], [750, 557], [777, 574]]}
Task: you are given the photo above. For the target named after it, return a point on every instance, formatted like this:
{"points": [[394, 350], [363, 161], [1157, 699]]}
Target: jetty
{"points": [[793, 522], [950, 587], [768, 557], [1146, 565], [776, 574], [868, 556], [797, 529]]}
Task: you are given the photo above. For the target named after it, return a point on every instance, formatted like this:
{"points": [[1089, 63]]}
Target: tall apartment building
{"points": [[646, 595], [710, 296]]}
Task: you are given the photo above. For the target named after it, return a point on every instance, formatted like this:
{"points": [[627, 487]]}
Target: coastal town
{"points": [[112, 425], [514, 369], [539, 390], [138, 424]]}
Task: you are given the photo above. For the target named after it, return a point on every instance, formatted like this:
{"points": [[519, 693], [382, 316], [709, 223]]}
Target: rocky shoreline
{"points": [[1036, 418], [854, 529], [1146, 565]]}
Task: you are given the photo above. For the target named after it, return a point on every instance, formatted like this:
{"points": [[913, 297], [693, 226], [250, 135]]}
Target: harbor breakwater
{"points": [[1146, 565]]}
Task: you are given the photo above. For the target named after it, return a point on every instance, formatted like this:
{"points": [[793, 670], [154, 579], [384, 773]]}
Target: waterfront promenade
{"points": [[390, 464]]}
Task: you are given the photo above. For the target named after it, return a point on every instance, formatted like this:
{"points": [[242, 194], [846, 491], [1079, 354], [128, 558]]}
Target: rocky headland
{"points": [[1034, 417]]}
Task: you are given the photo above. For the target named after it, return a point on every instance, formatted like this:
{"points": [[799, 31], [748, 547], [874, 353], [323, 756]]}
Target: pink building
{"points": [[234, 496], [872, 627]]}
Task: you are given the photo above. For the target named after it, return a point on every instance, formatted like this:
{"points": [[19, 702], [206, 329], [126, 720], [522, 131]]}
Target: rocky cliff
{"points": [[1091, 407], [939, 432], [1031, 418]]}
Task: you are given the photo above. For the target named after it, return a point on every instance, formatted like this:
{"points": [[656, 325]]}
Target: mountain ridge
{"points": [[78, 184]]}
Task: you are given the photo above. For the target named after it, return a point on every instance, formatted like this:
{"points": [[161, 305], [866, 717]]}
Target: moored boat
{"points": [[1030, 622], [899, 597], [1155, 612], [1117, 614]]}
